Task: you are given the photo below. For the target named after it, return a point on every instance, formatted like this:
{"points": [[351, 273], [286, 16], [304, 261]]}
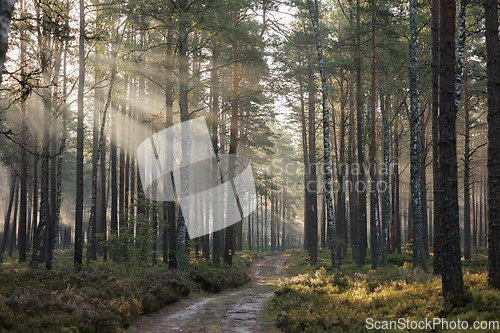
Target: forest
{"points": [[338, 157]]}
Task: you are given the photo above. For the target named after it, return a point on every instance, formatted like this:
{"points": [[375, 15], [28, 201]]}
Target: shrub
{"points": [[101, 297]]}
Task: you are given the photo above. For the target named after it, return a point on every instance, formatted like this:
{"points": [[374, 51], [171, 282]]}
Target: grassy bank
{"points": [[317, 300], [103, 297]]}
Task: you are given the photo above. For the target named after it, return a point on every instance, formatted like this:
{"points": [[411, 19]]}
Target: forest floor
{"points": [[238, 310]]}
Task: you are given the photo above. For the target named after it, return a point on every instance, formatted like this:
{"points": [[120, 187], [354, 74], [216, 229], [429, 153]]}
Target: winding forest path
{"points": [[238, 310]]}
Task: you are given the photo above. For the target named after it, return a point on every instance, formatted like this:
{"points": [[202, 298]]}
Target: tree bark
{"points": [[493, 75], [448, 183], [78, 255], [361, 188], [437, 246], [415, 161], [313, 13]]}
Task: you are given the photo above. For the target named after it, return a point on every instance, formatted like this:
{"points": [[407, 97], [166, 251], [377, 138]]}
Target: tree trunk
{"points": [[233, 141], [341, 197], [374, 205], [114, 183], [13, 230], [313, 13], [24, 163], [493, 74], [353, 195], [386, 193], [448, 183], [182, 254], [362, 232], [467, 195], [92, 219], [311, 187], [305, 156], [78, 256], [415, 161], [215, 169], [6, 225], [437, 248]]}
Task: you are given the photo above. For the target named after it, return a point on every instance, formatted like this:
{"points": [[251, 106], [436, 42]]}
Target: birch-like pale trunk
{"points": [[313, 12], [416, 199]]}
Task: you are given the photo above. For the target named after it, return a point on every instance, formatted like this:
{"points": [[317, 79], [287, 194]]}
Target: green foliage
{"points": [[319, 301], [102, 297]]}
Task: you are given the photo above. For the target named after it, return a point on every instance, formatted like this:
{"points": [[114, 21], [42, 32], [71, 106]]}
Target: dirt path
{"points": [[236, 311]]}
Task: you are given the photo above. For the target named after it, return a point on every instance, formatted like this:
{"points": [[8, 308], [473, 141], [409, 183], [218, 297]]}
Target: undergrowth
{"points": [[321, 301], [103, 297]]}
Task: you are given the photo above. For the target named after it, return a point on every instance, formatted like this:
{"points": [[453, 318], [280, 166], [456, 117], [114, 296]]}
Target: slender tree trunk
{"points": [[233, 141], [311, 186], [78, 256], [13, 230], [6, 223], [341, 197], [273, 223], [353, 195], [182, 253], [361, 189], [35, 189], [121, 193], [92, 219], [313, 13], [114, 182], [24, 165], [102, 204], [423, 188], [305, 157], [217, 236], [170, 231], [283, 233], [386, 193], [467, 194], [396, 204]]}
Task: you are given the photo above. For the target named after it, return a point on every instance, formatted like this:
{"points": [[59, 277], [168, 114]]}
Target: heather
{"points": [[320, 300], [102, 297]]}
